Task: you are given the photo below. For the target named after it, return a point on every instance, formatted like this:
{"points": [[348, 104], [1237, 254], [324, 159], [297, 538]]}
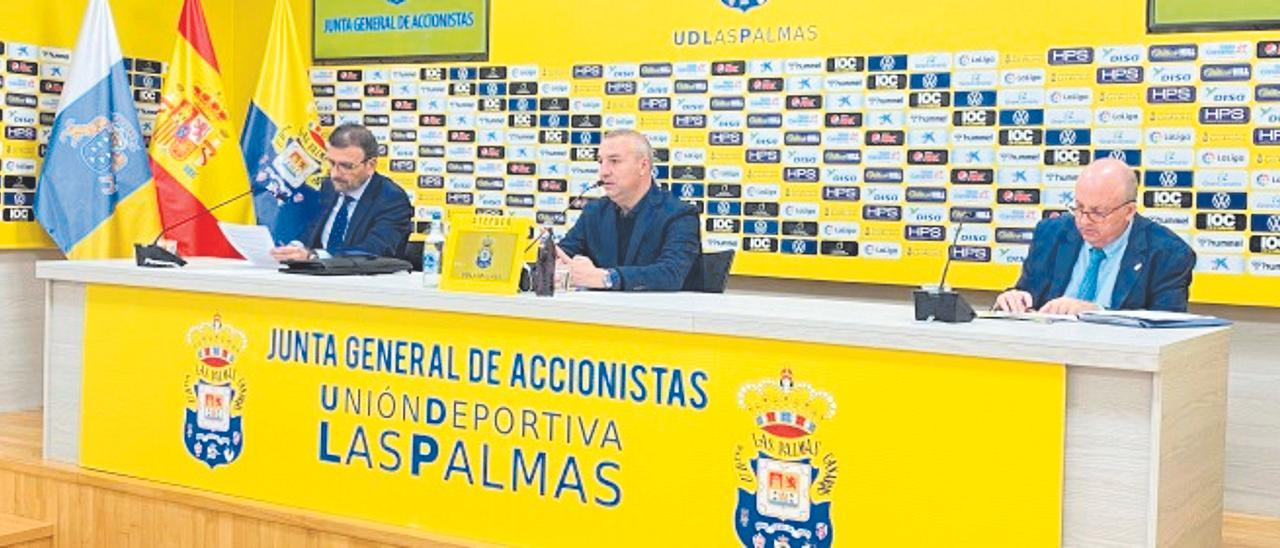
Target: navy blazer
{"points": [[1155, 272], [379, 226], [664, 242]]}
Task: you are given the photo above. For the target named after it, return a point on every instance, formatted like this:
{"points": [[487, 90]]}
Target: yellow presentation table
{"points": [[594, 418]]}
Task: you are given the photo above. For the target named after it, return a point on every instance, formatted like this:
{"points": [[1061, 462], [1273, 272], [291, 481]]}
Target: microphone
{"points": [[577, 198], [940, 303], [544, 269], [152, 255]]}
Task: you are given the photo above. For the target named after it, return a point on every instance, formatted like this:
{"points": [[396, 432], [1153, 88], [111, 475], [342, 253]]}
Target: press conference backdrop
{"points": [[839, 142], [1172, 15], [825, 140]]}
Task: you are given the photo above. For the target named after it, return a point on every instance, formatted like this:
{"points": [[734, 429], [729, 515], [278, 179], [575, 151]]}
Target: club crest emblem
{"points": [[744, 5], [786, 475], [214, 431], [484, 257]]}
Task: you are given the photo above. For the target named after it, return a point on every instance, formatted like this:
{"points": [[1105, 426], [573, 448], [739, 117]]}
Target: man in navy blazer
{"points": [[640, 237], [1129, 261], [361, 212]]}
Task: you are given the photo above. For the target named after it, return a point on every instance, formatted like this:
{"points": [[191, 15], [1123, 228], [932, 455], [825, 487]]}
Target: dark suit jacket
{"points": [[663, 246], [1155, 272], [380, 224]]}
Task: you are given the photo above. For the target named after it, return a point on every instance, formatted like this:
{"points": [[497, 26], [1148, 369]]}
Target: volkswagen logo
{"points": [[1273, 223], [798, 246], [887, 63], [1021, 117], [1168, 179], [930, 81], [975, 99], [1221, 200], [1068, 137], [1118, 155]]}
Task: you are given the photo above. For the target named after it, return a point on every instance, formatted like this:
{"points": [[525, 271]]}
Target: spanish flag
{"points": [[284, 149], [195, 159]]}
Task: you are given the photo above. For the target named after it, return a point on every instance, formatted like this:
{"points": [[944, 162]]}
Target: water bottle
{"points": [[433, 249]]}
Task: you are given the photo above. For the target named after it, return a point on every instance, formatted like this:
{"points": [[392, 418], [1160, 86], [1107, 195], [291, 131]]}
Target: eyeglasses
{"points": [[1094, 215], [347, 166]]}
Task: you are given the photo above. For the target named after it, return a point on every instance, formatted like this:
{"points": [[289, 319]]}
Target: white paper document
{"points": [[254, 242]]}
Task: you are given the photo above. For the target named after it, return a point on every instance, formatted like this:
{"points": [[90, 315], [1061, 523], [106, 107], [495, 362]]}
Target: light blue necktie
{"points": [[1089, 286], [339, 229]]}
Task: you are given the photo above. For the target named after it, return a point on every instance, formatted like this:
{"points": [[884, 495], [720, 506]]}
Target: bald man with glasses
{"points": [[1103, 255]]}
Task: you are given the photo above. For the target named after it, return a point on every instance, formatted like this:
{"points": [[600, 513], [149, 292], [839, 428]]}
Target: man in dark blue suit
{"points": [[640, 237], [361, 212], [1103, 255]]}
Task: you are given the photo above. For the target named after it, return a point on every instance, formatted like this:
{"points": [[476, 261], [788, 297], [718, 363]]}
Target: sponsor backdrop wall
{"points": [[840, 141]]}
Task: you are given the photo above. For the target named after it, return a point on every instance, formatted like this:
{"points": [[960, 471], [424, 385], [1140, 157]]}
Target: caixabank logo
{"points": [[213, 431], [785, 474]]}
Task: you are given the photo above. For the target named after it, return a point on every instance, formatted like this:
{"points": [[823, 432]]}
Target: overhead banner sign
{"points": [[380, 30], [541, 433]]}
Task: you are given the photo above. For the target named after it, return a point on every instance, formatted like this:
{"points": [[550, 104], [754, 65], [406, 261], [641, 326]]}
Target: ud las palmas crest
{"points": [[484, 257], [214, 431], [744, 5], [104, 146], [293, 159], [785, 474]]}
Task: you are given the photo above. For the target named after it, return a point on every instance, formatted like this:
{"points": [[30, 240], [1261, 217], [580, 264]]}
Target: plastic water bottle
{"points": [[433, 249]]}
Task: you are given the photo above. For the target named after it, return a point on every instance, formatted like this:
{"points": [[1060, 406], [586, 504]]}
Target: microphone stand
{"points": [[941, 303], [544, 269], [154, 256]]}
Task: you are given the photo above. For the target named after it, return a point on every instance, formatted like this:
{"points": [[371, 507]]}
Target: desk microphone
{"points": [[544, 271], [152, 255], [941, 303]]}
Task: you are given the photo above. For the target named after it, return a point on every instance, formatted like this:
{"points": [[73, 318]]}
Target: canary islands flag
{"points": [[94, 197], [282, 142], [195, 160]]}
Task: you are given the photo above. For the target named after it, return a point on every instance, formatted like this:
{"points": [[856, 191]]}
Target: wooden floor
{"points": [[20, 439]]}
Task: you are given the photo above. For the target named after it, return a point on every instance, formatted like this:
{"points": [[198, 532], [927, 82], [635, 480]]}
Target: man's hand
{"points": [[1067, 305], [1014, 300], [583, 273], [290, 253]]}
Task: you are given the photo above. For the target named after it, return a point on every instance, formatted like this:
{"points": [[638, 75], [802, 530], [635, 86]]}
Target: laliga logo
{"points": [[213, 431], [744, 5], [785, 475]]}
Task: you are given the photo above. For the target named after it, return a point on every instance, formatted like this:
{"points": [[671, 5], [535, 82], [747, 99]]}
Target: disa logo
{"points": [[785, 475], [213, 432], [744, 5]]}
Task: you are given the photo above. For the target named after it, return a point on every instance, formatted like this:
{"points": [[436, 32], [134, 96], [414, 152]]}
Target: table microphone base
{"points": [[154, 256], [944, 306]]}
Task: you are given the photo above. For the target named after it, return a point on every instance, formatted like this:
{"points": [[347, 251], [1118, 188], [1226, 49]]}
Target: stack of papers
{"points": [[1151, 318], [1030, 316]]}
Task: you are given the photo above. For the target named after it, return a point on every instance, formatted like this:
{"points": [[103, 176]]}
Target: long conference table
{"points": [[595, 418]]}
